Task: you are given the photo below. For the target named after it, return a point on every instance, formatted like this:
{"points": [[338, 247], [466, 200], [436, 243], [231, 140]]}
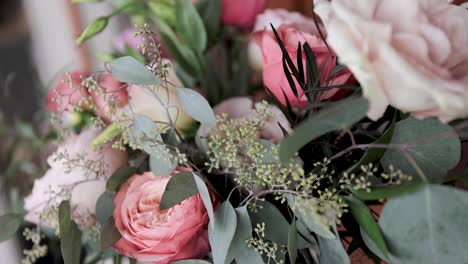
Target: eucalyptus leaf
{"points": [[120, 176], [223, 231], [109, 234], [385, 192], [10, 223], [190, 25], [195, 105], [292, 242], [70, 235], [206, 197], [366, 221], [162, 164], [332, 251], [239, 248], [372, 246], [180, 187], [427, 226], [339, 116], [127, 69], [435, 157], [96, 27], [143, 125], [105, 206]]}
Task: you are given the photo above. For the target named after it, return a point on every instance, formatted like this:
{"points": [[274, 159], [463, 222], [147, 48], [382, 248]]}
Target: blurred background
{"points": [[37, 43]]}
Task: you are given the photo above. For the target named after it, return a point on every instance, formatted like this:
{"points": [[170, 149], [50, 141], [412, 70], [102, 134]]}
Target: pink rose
{"points": [[241, 13], [114, 92], [243, 107], [152, 235], [273, 72], [84, 183], [411, 55], [277, 18], [67, 93]]}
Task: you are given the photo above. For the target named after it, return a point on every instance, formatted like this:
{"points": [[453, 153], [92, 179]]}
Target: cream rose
{"points": [[412, 55], [84, 183]]}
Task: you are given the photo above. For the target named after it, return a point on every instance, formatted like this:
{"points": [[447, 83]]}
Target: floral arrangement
{"points": [[221, 131]]}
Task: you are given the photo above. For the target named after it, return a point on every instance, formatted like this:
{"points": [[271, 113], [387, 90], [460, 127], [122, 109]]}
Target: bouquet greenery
{"points": [[221, 132]]}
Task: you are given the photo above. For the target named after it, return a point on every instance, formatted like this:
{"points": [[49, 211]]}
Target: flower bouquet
{"points": [[224, 132]]}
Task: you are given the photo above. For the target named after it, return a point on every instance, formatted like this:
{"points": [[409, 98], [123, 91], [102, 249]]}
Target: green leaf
{"points": [[372, 246], [109, 234], [332, 251], [190, 26], [378, 193], [366, 221], [162, 164], [70, 235], [96, 27], [205, 195], [119, 177], [434, 157], [292, 242], [373, 154], [105, 206], [340, 116], [183, 55], [427, 226], [210, 12], [145, 127], [195, 105], [127, 69], [222, 232], [239, 248], [308, 219], [180, 187], [10, 223]]}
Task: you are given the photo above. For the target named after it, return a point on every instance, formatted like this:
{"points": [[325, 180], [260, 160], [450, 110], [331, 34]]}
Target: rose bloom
{"points": [[111, 92], [152, 235], [67, 93], [241, 13], [273, 72], [86, 188], [153, 104], [411, 55]]}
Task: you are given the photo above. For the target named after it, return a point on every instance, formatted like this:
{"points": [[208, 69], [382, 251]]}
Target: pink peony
{"points": [[411, 55], [273, 72], [152, 235], [85, 180], [67, 93], [241, 13]]}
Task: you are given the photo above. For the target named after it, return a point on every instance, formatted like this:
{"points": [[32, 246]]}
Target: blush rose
{"points": [[159, 236], [413, 58]]}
